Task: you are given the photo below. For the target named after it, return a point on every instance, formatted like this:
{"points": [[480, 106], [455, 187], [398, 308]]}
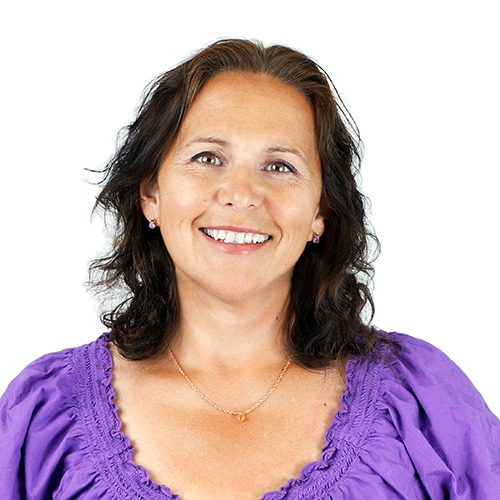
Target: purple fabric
{"points": [[411, 428]]}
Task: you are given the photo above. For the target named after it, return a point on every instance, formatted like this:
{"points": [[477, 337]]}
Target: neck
{"points": [[217, 332]]}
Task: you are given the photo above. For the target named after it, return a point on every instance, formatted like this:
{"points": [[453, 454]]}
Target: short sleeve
{"points": [[38, 431], [450, 435]]}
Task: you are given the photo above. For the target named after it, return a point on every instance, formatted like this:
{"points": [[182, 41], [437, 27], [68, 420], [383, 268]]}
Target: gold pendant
{"points": [[240, 417]]}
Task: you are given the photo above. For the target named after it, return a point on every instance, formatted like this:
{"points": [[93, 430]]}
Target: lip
{"points": [[230, 248]]}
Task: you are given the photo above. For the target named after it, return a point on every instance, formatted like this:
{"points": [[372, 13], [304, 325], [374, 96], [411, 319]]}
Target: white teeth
{"points": [[259, 238], [235, 237], [229, 237]]}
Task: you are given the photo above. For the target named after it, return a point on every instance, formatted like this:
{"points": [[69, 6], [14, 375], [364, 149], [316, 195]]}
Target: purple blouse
{"points": [[411, 427]]}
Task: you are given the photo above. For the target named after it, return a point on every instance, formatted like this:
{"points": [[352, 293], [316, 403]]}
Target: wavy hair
{"points": [[330, 283]]}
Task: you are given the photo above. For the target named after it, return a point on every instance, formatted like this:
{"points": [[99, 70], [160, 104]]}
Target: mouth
{"points": [[235, 237]]}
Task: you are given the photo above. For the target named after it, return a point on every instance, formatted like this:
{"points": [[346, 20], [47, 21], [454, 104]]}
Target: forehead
{"points": [[248, 87], [239, 101]]}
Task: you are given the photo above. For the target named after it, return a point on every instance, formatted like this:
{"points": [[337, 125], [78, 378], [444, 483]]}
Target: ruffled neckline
{"points": [[113, 451]]}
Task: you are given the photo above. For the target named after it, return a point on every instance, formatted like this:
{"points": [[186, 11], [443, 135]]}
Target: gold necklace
{"points": [[240, 415]]}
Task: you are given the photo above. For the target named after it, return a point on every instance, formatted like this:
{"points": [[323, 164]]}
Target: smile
{"points": [[234, 237]]}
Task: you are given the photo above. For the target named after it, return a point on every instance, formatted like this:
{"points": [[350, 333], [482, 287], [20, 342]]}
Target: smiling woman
{"points": [[254, 173], [240, 363], [223, 120]]}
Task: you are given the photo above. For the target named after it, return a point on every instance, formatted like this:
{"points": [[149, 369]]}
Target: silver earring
{"points": [[316, 238], [152, 224]]}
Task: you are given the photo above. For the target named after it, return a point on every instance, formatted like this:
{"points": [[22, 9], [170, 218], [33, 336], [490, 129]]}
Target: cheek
{"points": [[176, 197], [180, 206], [298, 215]]}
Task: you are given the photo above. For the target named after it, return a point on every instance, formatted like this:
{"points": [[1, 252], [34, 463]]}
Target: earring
{"points": [[316, 238], [152, 224]]}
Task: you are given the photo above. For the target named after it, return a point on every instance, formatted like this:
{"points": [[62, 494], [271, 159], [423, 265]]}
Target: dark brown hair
{"points": [[330, 281]]}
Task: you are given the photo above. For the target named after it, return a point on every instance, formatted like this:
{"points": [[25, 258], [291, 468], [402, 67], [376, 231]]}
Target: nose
{"points": [[240, 189]]}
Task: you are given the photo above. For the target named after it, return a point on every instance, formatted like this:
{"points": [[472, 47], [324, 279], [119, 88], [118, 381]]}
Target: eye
{"points": [[208, 159], [279, 167]]}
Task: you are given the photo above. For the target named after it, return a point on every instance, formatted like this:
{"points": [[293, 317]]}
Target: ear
{"points": [[150, 200], [317, 227]]}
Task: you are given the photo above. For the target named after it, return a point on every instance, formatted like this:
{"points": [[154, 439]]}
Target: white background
{"points": [[420, 78]]}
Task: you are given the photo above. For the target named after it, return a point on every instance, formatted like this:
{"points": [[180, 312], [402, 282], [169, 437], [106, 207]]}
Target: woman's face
{"points": [[237, 194]]}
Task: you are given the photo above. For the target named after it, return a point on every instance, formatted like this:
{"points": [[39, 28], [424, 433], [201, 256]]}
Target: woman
{"points": [[238, 358]]}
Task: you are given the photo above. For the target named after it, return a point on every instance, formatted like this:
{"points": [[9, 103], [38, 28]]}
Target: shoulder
{"points": [[420, 362], [427, 372], [40, 424], [423, 374], [45, 380], [50, 377], [450, 434], [51, 382]]}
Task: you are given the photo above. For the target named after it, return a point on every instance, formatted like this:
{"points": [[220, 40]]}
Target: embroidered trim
{"points": [[112, 450]]}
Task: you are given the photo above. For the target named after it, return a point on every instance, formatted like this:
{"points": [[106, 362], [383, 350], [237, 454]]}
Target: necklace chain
{"points": [[240, 415]]}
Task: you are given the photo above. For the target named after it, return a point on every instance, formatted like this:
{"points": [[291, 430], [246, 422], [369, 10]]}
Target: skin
{"points": [[244, 160], [237, 121]]}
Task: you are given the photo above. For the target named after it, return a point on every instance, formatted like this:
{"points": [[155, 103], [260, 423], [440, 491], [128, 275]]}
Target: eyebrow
{"points": [[282, 149], [212, 140], [224, 143]]}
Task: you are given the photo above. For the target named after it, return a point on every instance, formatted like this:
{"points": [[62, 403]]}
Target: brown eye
{"points": [[278, 167], [208, 159]]}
